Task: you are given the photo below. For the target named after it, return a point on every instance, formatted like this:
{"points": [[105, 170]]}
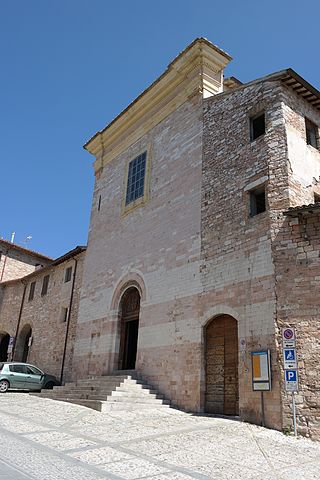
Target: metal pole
{"points": [[263, 423], [294, 414]]}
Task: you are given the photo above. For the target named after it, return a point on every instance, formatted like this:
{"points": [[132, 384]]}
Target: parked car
{"points": [[22, 376]]}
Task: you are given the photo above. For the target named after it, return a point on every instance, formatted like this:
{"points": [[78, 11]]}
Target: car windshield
{"points": [[1, 366]]}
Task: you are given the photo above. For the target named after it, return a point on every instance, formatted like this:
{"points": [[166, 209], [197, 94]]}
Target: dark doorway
{"points": [[130, 309], [222, 391], [4, 343], [26, 346]]}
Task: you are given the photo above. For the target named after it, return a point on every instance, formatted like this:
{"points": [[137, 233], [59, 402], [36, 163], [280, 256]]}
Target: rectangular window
{"points": [[257, 201], [45, 284], [31, 291], [64, 314], [136, 177], [67, 275], [257, 126], [312, 134], [316, 198]]}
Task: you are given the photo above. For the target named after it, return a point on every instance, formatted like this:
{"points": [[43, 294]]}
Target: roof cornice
{"points": [[197, 70]]}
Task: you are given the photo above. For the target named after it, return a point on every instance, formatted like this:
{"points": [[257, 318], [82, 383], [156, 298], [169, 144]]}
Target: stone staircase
{"points": [[122, 390]]}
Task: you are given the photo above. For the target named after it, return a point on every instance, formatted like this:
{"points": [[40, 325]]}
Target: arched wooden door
{"points": [[222, 390]]}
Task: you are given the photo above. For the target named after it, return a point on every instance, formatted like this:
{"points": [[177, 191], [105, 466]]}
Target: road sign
{"points": [[291, 380], [289, 344], [290, 358], [261, 378], [10, 345], [288, 334]]}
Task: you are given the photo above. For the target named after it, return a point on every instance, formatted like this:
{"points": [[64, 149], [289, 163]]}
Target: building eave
{"points": [[64, 258]]}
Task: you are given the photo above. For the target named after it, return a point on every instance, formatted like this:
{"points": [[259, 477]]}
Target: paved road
{"points": [[41, 439]]}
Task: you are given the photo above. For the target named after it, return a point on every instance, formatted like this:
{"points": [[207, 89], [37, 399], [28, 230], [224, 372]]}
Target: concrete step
{"points": [[158, 401], [112, 392]]}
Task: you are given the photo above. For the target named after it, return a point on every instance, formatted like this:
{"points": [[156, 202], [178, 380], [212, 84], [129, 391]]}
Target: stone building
{"points": [[194, 257], [17, 261], [203, 245], [39, 313]]}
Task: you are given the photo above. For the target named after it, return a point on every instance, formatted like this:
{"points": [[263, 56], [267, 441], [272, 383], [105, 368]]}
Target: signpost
{"points": [[290, 367], [261, 375]]}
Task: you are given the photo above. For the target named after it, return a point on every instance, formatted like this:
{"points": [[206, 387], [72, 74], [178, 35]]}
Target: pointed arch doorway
{"points": [[129, 328], [222, 389]]}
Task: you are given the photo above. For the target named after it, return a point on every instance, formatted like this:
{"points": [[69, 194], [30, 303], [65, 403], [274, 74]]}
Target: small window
{"points": [[257, 126], [31, 291], [99, 203], [136, 177], [257, 201], [316, 198], [312, 134], [45, 284], [67, 275], [64, 314]]}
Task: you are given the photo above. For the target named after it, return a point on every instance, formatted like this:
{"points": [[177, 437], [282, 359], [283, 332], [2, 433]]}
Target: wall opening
{"points": [[23, 344], [4, 343], [129, 318], [222, 383]]}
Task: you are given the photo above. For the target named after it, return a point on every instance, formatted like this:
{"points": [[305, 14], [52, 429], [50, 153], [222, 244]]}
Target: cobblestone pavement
{"points": [[49, 440]]}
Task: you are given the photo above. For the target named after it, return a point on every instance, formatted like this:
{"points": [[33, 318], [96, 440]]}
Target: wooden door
{"points": [[222, 392]]}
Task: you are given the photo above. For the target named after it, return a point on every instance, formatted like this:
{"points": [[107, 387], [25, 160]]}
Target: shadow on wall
{"points": [[4, 343], [23, 344]]}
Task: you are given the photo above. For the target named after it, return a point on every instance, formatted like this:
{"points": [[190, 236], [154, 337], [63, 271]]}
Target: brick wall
{"points": [[43, 315]]}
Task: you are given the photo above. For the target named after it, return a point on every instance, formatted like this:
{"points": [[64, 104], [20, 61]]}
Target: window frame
{"points": [[252, 118], [45, 285], [253, 193], [67, 277], [140, 201], [309, 123], [32, 289]]}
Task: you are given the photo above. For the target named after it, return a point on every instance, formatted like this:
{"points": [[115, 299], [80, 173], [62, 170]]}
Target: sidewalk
{"points": [[51, 440]]}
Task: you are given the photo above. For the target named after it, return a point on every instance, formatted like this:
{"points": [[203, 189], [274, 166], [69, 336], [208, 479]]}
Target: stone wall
{"points": [[158, 247], [237, 265], [297, 261], [43, 314], [15, 263], [295, 245]]}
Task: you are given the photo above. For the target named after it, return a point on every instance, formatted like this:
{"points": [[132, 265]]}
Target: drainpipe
{"points": [[68, 320], [19, 319]]}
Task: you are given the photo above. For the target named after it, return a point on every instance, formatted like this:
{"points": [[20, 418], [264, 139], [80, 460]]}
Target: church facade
{"points": [[204, 241]]}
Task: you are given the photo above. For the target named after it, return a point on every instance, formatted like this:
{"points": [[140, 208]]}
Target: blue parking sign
{"points": [[291, 376], [291, 380]]}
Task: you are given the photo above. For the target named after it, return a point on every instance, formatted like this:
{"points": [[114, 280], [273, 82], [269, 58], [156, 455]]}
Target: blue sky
{"points": [[69, 66]]}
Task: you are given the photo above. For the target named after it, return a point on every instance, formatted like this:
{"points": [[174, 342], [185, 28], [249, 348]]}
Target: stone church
{"points": [[203, 244]]}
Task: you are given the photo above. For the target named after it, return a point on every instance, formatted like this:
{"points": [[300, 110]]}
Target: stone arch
{"points": [[129, 313], [221, 365], [23, 344], [4, 343], [132, 279]]}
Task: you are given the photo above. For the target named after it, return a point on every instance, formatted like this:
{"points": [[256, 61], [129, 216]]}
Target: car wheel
{"points": [[4, 386], [49, 385]]}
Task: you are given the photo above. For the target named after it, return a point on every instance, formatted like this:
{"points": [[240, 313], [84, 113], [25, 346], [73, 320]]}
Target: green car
{"points": [[22, 376]]}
